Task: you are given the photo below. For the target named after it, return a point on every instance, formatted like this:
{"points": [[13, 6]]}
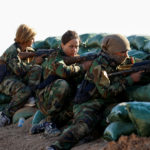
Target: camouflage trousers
{"points": [[53, 99], [18, 91], [20, 88], [33, 76], [86, 117]]}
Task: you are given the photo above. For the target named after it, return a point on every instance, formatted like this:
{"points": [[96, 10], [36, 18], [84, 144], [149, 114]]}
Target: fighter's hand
{"points": [[136, 76], [86, 65], [39, 59], [21, 56]]}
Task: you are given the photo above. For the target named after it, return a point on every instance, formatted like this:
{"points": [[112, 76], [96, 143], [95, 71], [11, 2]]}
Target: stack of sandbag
{"points": [[119, 123], [140, 45], [126, 118], [139, 42], [140, 93], [139, 114], [53, 42]]}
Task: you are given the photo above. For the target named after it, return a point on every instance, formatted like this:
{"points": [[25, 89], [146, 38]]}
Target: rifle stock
{"points": [[24, 55]]}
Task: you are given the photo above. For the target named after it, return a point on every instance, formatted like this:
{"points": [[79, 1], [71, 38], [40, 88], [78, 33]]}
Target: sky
{"points": [[55, 17]]}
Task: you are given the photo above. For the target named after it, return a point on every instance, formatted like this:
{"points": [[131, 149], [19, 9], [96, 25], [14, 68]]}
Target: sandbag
{"points": [[139, 113], [4, 99], [85, 38], [104, 122], [53, 42], [147, 47], [25, 112], [85, 51], [96, 40], [138, 54], [138, 42], [38, 116], [119, 113], [116, 129], [139, 93], [40, 45]]}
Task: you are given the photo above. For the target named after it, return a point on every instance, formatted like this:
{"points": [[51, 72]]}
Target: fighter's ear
{"points": [[105, 44], [62, 45]]}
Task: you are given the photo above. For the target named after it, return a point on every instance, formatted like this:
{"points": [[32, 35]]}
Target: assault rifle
{"points": [[84, 92], [24, 55], [140, 66], [67, 60]]}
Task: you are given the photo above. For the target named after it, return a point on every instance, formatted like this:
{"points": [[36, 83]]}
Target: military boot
{"points": [[4, 120], [50, 148], [51, 130], [38, 128]]}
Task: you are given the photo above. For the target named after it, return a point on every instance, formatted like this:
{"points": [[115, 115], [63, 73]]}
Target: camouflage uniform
{"points": [[56, 96], [21, 79], [88, 114]]}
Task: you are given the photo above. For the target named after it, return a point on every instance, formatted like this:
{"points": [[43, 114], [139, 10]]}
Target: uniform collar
{"points": [[62, 52]]}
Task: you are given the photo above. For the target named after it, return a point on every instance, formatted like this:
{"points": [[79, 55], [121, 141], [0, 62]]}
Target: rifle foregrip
{"points": [[78, 59]]}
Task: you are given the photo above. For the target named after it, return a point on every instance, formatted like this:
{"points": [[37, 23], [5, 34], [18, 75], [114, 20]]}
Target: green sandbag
{"points": [[4, 98], [118, 113], [40, 45], [25, 112], [85, 37], [38, 116], [53, 42], [96, 40], [139, 93], [138, 54], [85, 51], [147, 47], [139, 113], [104, 122], [138, 42], [116, 129]]}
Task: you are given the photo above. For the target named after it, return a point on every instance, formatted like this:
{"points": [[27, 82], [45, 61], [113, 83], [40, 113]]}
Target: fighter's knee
{"points": [[62, 84]]}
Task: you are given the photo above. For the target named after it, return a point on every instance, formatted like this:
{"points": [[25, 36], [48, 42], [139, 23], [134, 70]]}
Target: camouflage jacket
{"points": [[15, 66], [55, 65], [105, 86]]}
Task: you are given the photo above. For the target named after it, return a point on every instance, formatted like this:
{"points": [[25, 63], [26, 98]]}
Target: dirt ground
{"points": [[18, 138], [15, 138], [131, 142]]}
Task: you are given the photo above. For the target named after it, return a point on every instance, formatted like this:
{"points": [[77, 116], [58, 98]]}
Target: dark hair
{"points": [[68, 36]]}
